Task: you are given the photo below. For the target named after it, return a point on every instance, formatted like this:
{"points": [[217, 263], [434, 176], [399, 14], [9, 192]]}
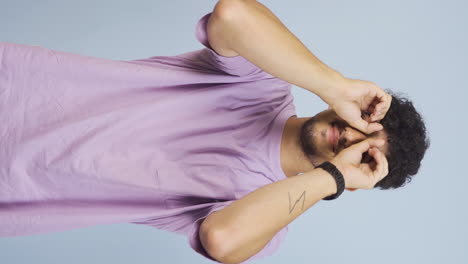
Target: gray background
{"points": [[415, 47]]}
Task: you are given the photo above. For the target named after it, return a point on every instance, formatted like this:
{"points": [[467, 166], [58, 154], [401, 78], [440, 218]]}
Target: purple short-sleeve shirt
{"points": [[162, 141]]}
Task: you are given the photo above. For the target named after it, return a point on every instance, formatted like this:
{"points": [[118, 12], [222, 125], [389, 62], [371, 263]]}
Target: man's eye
{"points": [[366, 115], [366, 158]]}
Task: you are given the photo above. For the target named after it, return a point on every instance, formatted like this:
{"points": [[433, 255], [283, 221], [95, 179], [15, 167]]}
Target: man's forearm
{"points": [[248, 224], [256, 34]]}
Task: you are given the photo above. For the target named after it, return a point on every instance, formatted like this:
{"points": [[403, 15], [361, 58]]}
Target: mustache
{"points": [[340, 124]]}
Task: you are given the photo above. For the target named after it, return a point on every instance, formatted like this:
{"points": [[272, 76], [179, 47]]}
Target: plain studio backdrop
{"points": [[411, 46]]}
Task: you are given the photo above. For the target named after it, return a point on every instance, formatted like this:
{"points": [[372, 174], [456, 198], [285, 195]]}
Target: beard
{"points": [[306, 138]]}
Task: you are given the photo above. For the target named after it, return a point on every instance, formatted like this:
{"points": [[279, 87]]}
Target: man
{"points": [[193, 143], [347, 134]]}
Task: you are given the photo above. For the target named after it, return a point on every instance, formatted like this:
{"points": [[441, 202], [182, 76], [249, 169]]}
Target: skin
{"points": [[295, 159]]}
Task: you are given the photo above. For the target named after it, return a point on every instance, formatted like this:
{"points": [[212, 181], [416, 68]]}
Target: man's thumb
{"points": [[365, 145]]}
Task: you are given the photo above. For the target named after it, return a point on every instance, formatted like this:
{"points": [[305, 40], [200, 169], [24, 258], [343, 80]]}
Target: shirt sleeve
{"points": [[238, 65], [194, 240]]}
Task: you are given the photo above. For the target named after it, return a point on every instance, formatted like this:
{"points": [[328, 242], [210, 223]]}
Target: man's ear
{"points": [[329, 107]]}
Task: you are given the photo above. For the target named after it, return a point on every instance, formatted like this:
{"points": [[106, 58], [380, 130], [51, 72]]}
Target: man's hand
{"points": [[359, 175], [353, 96], [238, 26]]}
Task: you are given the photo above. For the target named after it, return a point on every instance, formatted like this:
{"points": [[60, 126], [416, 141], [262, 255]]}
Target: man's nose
{"points": [[353, 136]]}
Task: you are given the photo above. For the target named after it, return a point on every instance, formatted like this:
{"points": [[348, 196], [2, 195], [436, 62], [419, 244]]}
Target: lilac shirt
{"points": [[162, 141]]}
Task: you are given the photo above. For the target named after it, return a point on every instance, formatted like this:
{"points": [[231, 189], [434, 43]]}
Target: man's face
{"points": [[326, 134]]}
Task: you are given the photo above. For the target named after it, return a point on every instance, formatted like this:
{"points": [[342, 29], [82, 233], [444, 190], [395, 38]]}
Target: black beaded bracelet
{"points": [[340, 183]]}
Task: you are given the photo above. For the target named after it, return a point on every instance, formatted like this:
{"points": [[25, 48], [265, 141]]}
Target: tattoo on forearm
{"points": [[302, 197]]}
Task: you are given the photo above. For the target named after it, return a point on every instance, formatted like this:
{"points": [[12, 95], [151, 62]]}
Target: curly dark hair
{"points": [[407, 141]]}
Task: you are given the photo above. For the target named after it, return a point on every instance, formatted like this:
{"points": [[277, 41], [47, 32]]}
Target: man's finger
{"points": [[373, 127], [381, 109], [382, 164], [366, 127], [379, 168], [366, 169], [365, 145], [385, 167]]}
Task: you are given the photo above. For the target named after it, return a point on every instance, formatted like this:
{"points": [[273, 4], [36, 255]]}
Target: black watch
{"points": [[340, 183]]}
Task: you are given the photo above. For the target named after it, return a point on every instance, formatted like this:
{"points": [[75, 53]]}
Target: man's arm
{"points": [[248, 28], [244, 227]]}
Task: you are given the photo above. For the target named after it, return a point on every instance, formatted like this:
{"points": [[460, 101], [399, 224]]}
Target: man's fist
{"points": [[352, 97], [359, 175]]}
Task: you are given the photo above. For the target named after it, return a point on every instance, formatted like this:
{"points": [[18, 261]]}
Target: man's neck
{"points": [[293, 160]]}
